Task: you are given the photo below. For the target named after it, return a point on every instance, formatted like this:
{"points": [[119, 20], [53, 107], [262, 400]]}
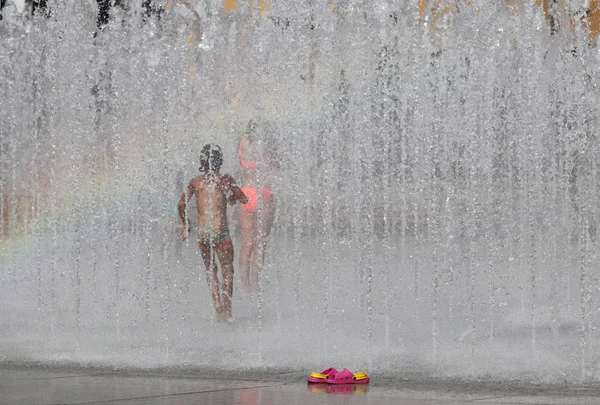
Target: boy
{"points": [[213, 191]]}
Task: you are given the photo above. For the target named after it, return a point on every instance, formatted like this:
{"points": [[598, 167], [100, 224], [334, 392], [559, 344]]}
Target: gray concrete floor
{"points": [[52, 387]]}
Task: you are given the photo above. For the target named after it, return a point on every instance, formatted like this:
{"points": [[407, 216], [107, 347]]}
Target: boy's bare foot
{"points": [[227, 317], [224, 317]]}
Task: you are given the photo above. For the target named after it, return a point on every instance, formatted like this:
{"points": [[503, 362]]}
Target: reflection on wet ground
{"points": [[49, 387]]}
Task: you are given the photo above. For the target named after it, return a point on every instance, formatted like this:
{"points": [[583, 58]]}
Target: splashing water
{"points": [[436, 197]]}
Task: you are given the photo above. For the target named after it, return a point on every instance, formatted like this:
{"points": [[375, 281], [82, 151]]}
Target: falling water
{"points": [[437, 189]]}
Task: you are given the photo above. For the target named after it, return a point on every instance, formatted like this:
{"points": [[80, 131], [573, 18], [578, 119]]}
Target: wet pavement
{"points": [[52, 387]]}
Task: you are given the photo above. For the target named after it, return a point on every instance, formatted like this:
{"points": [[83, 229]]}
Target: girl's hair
{"points": [[251, 130]]}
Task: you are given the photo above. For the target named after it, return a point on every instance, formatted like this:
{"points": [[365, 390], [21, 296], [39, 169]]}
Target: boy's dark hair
{"points": [[211, 158]]}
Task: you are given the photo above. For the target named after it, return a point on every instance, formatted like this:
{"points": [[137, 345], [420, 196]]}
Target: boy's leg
{"points": [[208, 255], [225, 254]]}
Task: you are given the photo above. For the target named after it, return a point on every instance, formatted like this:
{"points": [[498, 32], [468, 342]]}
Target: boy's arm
{"points": [[236, 193], [189, 192]]}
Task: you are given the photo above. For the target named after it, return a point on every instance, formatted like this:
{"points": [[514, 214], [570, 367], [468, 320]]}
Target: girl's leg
{"points": [[247, 226], [254, 267], [268, 215]]}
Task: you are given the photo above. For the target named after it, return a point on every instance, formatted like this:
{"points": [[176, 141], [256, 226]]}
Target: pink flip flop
{"points": [[347, 377], [322, 377]]}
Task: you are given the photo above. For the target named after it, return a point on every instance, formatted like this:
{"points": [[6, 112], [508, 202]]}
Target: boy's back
{"points": [[212, 194]]}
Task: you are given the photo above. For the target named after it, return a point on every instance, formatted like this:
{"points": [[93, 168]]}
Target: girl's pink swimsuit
{"points": [[252, 192]]}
